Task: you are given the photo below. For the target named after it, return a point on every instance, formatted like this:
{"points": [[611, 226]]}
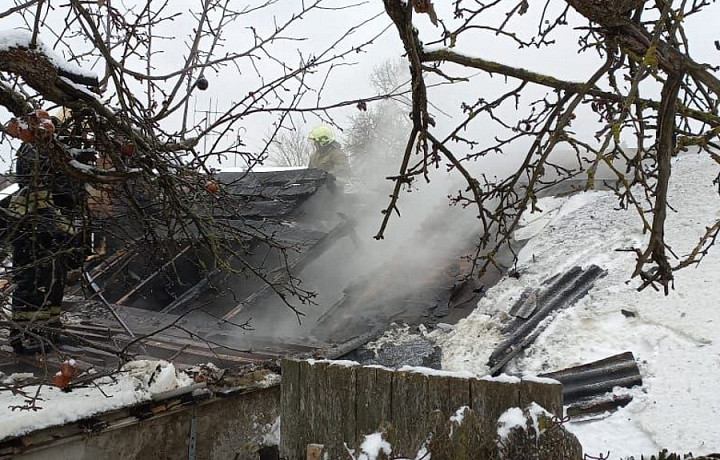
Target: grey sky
{"points": [[350, 80]]}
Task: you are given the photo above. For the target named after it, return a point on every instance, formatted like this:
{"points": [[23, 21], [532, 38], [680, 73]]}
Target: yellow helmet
{"points": [[322, 134]]}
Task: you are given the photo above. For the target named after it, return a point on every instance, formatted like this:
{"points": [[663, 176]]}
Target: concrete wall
{"points": [[231, 427]]}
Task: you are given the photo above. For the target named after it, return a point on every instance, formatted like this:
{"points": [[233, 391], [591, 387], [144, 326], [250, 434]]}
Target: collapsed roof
{"points": [[188, 305]]}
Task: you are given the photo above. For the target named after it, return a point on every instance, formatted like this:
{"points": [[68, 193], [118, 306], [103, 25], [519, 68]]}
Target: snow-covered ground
{"points": [[675, 338]]}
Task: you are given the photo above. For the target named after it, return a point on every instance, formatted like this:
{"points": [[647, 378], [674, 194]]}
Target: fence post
{"points": [[340, 400], [338, 404], [545, 392], [373, 393], [490, 398], [290, 407]]}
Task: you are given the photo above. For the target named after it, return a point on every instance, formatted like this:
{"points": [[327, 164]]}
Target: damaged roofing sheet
{"points": [[533, 308]]}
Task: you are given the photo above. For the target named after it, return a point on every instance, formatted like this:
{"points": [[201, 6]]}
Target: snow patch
{"points": [[9, 190], [339, 362], [270, 380], [22, 38], [534, 378], [438, 373], [511, 418], [138, 381], [503, 378], [675, 338], [372, 446], [271, 434], [457, 419]]}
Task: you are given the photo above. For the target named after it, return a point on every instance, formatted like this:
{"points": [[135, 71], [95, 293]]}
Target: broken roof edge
{"points": [[232, 383], [256, 169]]}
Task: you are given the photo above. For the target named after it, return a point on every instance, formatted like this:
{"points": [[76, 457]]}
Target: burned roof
{"points": [[275, 194], [179, 301]]}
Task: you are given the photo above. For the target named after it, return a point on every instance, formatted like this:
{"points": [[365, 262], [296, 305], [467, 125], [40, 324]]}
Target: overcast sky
{"points": [[350, 79]]}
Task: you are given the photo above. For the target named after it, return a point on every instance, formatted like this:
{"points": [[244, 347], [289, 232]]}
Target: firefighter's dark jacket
{"points": [[45, 192], [35, 172]]}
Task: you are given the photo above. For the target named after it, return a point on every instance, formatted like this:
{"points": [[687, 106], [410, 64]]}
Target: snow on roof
{"points": [[139, 381], [9, 190], [22, 38], [675, 338]]}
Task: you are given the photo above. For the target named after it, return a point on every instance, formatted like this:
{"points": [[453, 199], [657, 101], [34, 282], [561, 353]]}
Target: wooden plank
{"points": [[304, 411], [409, 412], [340, 409], [317, 389], [152, 276], [337, 350], [200, 355], [447, 394], [490, 398], [185, 349], [191, 293], [373, 400], [545, 393], [289, 407], [470, 441]]}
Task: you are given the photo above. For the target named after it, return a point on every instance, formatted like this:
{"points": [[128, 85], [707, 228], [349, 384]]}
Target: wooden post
{"points": [[290, 408], [447, 394], [490, 398], [339, 411], [409, 412], [314, 451], [316, 407], [373, 397], [545, 393], [325, 406]]}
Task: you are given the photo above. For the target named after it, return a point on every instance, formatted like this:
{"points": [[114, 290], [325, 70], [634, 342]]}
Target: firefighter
{"points": [[42, 234], [328, 155]]}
